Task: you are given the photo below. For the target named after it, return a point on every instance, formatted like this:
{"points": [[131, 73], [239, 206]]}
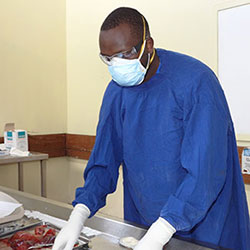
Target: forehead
{"points": [[116, 39]]}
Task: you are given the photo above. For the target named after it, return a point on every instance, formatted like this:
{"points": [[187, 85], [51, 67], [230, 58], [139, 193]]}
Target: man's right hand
{"points": [[69, 234]]}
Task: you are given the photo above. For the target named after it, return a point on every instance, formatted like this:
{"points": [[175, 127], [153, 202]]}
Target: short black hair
{"points": [[129, 16]]}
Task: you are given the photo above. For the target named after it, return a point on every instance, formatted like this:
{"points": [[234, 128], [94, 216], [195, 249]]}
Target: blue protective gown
{"points": [[175, 139]]}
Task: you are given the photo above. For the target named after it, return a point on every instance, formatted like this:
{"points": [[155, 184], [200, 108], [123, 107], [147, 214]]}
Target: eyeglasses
{"points": [[124, 54]]}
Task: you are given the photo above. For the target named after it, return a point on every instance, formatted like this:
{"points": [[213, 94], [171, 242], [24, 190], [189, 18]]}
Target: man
{"points": [[164, 117]]}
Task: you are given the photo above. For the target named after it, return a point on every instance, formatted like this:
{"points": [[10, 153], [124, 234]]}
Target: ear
{"points": [[150, 45]]}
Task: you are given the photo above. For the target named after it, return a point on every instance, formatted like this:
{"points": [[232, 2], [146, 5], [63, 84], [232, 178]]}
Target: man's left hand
{"points": [[157, 236]]}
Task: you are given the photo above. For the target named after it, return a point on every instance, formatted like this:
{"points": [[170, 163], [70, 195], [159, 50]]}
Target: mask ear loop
{"points": [[144, 37], [150, 60]]}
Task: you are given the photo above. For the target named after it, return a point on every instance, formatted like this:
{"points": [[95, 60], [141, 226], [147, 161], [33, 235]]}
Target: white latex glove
{"points": [[69, 234], [157, 236]]}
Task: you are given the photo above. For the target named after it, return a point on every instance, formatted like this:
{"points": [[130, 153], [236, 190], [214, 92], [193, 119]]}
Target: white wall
{"points": [[248, 195], [33, 65]]}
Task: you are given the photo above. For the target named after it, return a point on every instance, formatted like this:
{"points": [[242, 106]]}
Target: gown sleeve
{"points": [[102, 171], [203, 156]]}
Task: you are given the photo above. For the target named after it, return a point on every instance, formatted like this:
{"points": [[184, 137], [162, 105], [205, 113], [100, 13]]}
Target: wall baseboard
{"points": [[79, 146], [52, 144]]}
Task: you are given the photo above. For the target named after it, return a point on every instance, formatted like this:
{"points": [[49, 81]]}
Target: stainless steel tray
{"points": [[14, 226], [7, 230]]}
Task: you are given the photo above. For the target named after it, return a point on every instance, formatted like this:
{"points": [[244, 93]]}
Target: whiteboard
{"points": [[234, 63]]}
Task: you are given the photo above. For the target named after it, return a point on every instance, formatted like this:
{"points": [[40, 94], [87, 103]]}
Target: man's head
{"points": [[123, 29], [128, 16], [125, 36]]}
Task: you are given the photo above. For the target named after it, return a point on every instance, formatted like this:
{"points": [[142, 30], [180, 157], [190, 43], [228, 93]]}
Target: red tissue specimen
{"points": [[22, 240]]}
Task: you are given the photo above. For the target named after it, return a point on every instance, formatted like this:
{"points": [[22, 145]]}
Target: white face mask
{"points": [[128, 72]]}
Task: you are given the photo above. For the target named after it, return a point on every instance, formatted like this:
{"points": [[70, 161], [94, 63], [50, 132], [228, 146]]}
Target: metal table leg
{"points": [[43, 178], [20, 176]]}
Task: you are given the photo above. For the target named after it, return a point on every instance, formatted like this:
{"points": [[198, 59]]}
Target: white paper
{"points": [[2, 146], [18, 152], [7, 208]]}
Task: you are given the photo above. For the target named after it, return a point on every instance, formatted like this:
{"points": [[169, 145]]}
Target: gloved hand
{"points": [[69, 234], [157, 236]]}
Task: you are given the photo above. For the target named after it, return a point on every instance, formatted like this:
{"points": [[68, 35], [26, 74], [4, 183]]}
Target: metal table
{"points": [[34, 156], [112, 228]]}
